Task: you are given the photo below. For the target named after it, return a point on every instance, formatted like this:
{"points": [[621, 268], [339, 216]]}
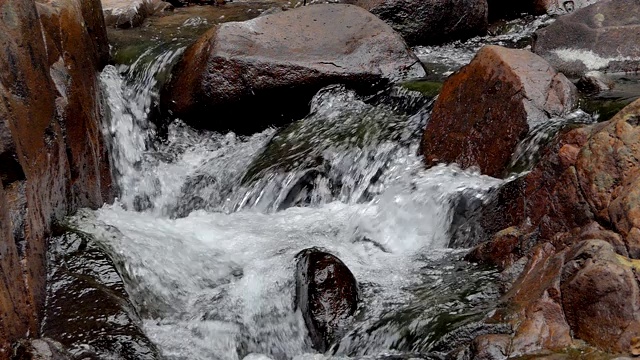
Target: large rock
{"points": [[488, 106], [326, 294], [602, 36], [507, 9], [431, 21], [245, 76], [52, 156]]}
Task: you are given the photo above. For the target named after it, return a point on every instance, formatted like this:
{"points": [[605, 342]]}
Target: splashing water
{"points": [[207, 225]]}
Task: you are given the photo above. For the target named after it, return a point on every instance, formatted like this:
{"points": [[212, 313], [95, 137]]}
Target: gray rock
{"points": [[253, 74]]}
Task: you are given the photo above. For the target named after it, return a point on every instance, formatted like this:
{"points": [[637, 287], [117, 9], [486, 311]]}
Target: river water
{"points": [[207, 225]]}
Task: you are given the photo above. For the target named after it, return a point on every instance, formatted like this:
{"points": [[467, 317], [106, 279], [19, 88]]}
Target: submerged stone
{"points": [[326, 294]]}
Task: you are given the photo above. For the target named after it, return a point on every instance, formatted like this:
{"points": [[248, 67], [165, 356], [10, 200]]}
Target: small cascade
{"points": [[207, 225]]}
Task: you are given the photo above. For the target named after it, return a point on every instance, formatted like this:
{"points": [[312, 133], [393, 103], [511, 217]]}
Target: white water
{"points": [[218, 282]]}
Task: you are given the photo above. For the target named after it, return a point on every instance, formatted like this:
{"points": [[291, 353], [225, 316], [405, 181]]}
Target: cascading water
{"points": [[207, 225]]}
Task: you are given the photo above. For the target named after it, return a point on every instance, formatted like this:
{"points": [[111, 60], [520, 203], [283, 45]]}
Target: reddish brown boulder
{"points": [[488, 106], [326, 294], [50, 140], [245, 76], [602, 36], [600, 296], [431, 21]]}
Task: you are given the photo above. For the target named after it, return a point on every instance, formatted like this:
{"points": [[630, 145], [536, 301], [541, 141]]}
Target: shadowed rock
{"points": [[431, 21]]}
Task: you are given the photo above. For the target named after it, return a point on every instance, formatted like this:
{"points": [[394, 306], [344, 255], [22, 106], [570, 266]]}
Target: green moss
{"points": [[427, 88]]}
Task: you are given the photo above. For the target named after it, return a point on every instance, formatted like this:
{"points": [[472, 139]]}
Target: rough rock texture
{"points": [[488, 106], [50, 140], [247, 75], [602, 36], [581, 203], [326, 294], [431, 21], [126, 14]]}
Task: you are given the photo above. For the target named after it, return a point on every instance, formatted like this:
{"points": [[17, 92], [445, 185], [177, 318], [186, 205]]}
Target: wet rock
{"points": [[52, 152], [40, 349], [488, 106], [126, 14], [490, 347], [260, 70], [602, 36], [89, 311], [326, 294], [594, 82], [502, 251], [431, 21]]}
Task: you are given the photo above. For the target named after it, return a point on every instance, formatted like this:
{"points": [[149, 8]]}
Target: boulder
{"points": [[246, 76], [126, 14], [52, 156], [423, 22], [326, 294], [602, 36], [600, 296], [488, 106]]}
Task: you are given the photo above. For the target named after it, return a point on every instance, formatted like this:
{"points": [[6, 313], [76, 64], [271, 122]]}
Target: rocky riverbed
{"points": [[294, 180]]}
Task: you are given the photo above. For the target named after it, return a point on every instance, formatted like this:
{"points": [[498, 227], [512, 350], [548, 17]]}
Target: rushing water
{"points": [[207, 225]]}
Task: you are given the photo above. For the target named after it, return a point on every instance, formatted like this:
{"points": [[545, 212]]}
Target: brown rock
{"points": [[534, 305], [602, 36], [327, 295], [431, 21], [50, 139], [501, 251], [600, 296], [512, 91], [252, 74]]}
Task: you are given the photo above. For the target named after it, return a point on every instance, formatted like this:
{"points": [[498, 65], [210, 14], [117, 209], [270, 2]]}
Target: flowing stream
{"points": [[207, 225]]}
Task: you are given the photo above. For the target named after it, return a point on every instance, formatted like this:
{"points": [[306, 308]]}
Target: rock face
{"points": [[424, 22], [488, 106], [245, 76], [575, 217], [559, 7], [52, 156], [326, 294], [602, 36], [506, 9], [126, 14]]}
